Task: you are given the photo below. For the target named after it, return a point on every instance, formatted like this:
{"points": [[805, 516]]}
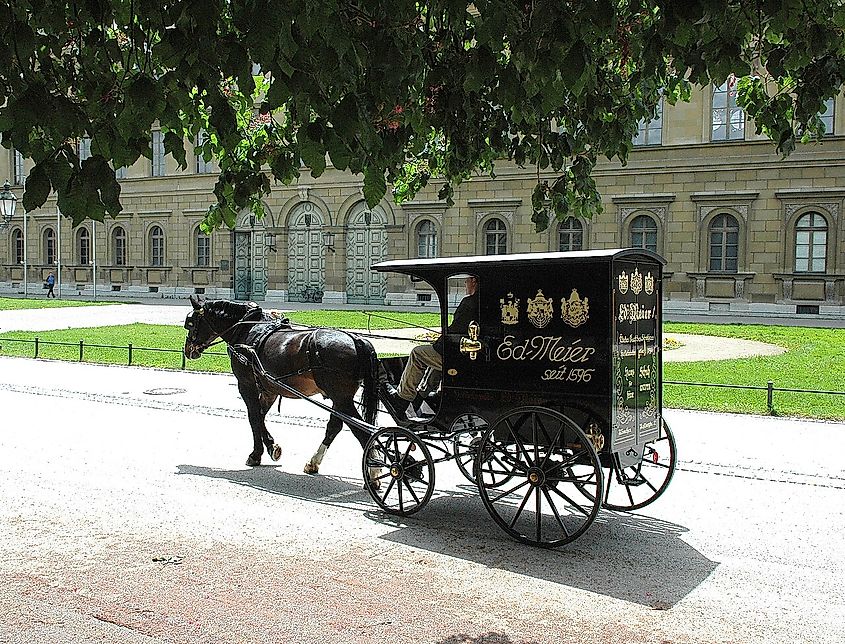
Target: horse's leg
{"points": [[267, 399], [347, 406], [333, 428], [255, 412]]}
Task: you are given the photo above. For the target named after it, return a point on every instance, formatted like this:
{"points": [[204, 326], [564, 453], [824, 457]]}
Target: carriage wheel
{"points": [[555, 476], [406, 481], [634, 487], [470, 428]]}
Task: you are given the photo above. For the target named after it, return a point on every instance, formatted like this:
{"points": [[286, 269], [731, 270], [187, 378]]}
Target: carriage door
{"points": [[306, 262], [366, 244], [250, 261]]}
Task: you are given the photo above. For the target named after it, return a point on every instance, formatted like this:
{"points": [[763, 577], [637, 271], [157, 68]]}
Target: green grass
{"points": [[19, 303], [815, 359]]}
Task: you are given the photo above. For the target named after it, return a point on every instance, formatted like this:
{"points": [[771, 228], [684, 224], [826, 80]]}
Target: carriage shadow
{"points": [[632, 557]]}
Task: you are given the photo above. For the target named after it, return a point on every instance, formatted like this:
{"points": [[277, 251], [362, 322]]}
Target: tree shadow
{"points": [[632, 557]]}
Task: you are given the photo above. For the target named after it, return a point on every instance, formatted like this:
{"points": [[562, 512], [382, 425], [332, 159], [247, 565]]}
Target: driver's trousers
{"points": [[423, 357]]}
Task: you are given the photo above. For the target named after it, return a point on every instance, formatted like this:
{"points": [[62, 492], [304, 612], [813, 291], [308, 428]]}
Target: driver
{"points": [[407, 400]]}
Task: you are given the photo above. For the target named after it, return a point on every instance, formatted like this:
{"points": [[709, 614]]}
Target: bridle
{"points": [[196, 314]]}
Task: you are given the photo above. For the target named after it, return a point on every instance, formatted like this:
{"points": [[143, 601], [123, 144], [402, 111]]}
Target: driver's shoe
{"points": [[397, 406]]}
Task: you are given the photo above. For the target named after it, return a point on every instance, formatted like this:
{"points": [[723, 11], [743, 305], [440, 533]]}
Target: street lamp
{"points": [[8, 203]]}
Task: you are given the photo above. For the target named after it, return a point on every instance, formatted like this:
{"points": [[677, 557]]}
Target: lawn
{"points": [[19, 303], [815, 359]]}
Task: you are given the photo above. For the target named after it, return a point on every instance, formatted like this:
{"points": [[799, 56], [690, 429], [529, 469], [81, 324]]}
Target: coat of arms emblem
{"points": [[636, 282], [649, 284], [540, 310], [623, 282], [575, 311], [510, 310]]}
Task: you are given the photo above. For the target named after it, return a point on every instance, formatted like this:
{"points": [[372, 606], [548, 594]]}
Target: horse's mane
{"points": [[234, 310]]}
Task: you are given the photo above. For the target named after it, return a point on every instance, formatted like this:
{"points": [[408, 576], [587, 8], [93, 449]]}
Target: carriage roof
{"points": [[451, 265]]}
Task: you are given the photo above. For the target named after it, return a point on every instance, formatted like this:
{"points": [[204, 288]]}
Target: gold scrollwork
{"points": [[649, 284], [471, 345], [623, 282], [540, 310], [575, 311], [510, 310], [636, 282], [595, 435]]}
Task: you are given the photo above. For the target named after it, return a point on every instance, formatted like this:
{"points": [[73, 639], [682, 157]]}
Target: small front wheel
{"points": [[398, 471]]}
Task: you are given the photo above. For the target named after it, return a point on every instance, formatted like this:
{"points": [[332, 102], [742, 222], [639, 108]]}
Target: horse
{"points": [[313, 361]]}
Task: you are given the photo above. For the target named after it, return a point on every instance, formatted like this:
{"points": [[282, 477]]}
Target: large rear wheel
{"points": [[555, 477]]}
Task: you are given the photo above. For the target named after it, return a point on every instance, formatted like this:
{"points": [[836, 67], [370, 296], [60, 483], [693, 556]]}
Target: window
{"points": [[644, 233], [810, 243], [651, 132], [728, 118], [203, 248], [83, 246], [724, 244], [827, 116], [156, 246], [84, 148], [49, 246], [17, 245], [120, 173], [203, 166], [426, 239], [570, 235], [495, 237], [157, 167], [118, 237], [17, 169]]}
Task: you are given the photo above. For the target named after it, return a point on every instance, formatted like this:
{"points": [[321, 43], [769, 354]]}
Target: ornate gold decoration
{"points": [[471, 345], [623, 282], [452, 372], [636, 282], [540, 310], [575, 311], [649, 284], [596, 437], [510, 310]]}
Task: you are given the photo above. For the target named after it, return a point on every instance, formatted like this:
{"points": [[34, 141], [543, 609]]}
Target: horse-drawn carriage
{"points": [[550, 400]]}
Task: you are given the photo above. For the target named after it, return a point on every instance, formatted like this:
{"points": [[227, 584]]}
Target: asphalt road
{"points": [[127, 516]]}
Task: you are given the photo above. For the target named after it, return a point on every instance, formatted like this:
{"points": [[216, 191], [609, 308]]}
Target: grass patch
{"points": [[20, 303], [815, 359]]}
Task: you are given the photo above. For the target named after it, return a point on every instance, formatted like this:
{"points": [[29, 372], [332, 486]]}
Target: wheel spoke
{"points": [[538, 511], [570, 501], [554, 509], [521, 508], [411, 490], [387, 491], [551, 446], [534, 438], [512, 490], [519, 444]]}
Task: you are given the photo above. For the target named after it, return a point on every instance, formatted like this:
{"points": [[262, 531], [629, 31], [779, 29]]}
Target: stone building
{"points": [[742, 229]]}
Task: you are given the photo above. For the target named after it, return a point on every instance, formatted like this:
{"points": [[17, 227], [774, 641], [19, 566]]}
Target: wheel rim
{"points": [[406, 481], [554, 477], [636, 486]]}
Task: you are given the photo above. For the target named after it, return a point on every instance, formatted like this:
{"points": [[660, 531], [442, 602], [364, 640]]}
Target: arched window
{"points": [[644, 233], [156, 246], [118, 241], [570, 235], [17, 245], [810, 243], [728, 117], [49, 246], [426, 239], [495, 237], [83, 246], [202, 246], [724, 243]]}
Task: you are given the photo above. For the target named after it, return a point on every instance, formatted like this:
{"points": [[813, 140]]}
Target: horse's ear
{"points": [[195, 302]]}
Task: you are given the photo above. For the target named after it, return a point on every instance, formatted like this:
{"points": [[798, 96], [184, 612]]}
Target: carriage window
{"points": [[464, 307]]}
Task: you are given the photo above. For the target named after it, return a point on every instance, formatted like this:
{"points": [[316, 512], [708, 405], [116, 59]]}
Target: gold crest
{"points": [[540, 310], [649, 284], [636, 282], [623, 282], [575, 311], [510, 310]]}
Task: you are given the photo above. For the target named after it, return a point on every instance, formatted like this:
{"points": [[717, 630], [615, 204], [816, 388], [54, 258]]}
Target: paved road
{"points": [[129, 517]]}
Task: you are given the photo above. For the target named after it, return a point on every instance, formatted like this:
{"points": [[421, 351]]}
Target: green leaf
{"points": [[375, 185]]}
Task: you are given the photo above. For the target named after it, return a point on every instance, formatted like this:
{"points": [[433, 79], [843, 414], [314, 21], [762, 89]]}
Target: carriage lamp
{"points": [[328, 241], [270, 241], [8, 203]]}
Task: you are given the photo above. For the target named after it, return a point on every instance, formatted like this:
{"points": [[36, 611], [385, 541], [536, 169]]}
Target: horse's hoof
{"points": [[252, 462], [276, 452], [310, 468]]}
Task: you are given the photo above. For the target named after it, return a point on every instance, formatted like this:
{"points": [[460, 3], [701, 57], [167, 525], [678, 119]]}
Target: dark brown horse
{"points": [[315, 361]]}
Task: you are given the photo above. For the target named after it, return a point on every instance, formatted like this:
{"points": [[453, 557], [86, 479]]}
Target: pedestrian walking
{"points": [[50, 283]]}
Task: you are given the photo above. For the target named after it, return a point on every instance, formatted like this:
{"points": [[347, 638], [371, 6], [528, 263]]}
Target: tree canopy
{"points": [[404, 93]]}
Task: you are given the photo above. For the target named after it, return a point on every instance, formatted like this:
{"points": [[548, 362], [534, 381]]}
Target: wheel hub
{"points": [[396, 471], [536, 476]]}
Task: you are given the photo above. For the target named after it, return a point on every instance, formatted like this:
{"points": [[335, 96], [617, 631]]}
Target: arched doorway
{"points": [[306, 262], [250, 258], [366, 244]]}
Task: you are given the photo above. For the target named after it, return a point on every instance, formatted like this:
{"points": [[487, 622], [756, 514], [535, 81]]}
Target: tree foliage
{"points": [[403, 93]]}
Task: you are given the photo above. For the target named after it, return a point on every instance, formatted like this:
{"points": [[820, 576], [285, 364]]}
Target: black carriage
{"points": [[550, 401]]}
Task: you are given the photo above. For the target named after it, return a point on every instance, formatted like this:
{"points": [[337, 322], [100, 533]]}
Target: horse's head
{"points": [[211, 320]]}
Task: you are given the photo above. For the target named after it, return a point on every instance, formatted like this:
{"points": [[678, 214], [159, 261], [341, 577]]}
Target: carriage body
{"points": [[576, 332]]}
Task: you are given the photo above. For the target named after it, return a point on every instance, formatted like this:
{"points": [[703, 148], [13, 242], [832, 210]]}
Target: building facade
{"points": [[742, 229]]}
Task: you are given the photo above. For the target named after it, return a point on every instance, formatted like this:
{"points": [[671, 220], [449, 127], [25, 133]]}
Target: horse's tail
{"points": [[368, 365]]}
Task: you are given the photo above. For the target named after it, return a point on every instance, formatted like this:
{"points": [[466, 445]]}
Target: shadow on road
{"points": [[632, 557]]}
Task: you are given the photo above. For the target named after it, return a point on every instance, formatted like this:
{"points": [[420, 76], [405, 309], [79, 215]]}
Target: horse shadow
{"points": [[631, 557]]}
